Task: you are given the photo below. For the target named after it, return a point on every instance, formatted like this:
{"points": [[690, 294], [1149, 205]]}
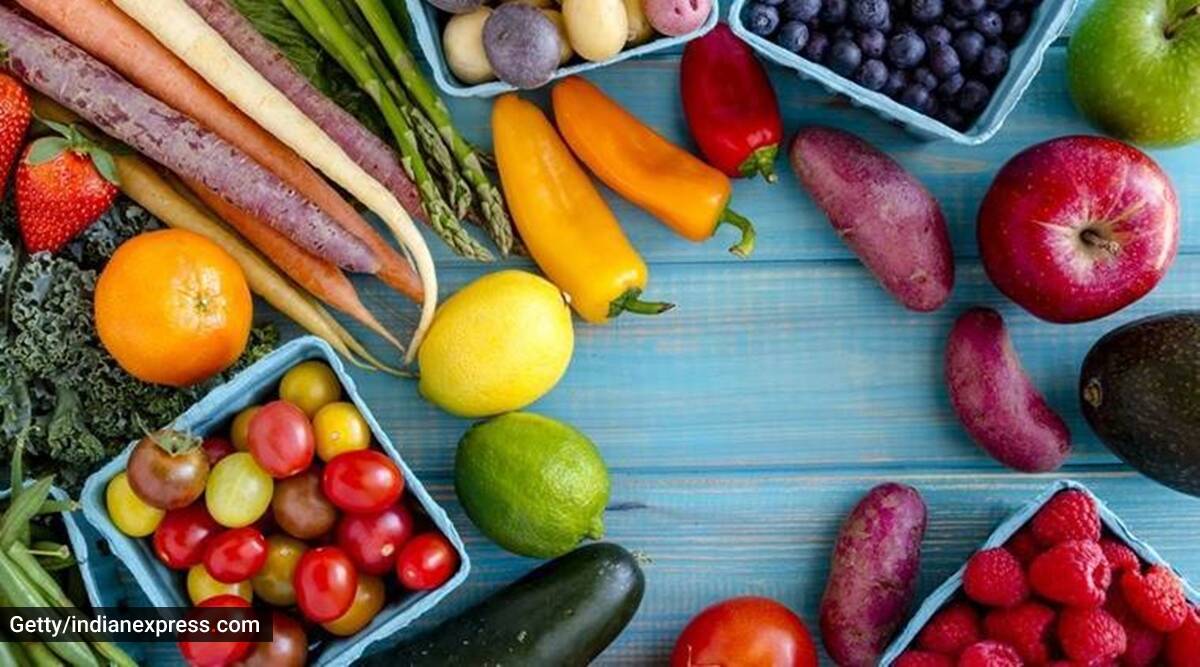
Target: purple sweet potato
{"points": [[873, 575], [996, 401], [882, 212]]}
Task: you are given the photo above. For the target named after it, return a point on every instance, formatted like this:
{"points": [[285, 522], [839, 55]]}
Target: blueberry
{"points": [[948, 115], [818, 44], [844, 57], [988, 23], [924, 78], [950, 86], [993, 64], [773, 3], [969, 45], [801, 10], [873, 74], [966, 8], [943, 60], [833, 12], [762, 19], [869, 13], [999, 4], [793, 36], [973, 97], [1016, 24], [873, 43], [954, 23], [915, 97], [906, 50], [896, 82], [926, 11], [936, 35]]}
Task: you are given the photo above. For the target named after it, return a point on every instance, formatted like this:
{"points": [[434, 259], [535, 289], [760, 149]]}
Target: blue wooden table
{"points": [[742, 426]]}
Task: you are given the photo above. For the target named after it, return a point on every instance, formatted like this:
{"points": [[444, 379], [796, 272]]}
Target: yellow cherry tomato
{"points": [[130, 513], [368, 600], [201, 586], [340, 427], [238, 491], [310, 386], [239, 430], [273, 583]]}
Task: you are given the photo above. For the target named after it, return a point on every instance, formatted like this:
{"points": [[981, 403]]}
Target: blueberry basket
{"points": [[951, 587], [164, 587], [429, 21], [1047, 23]]}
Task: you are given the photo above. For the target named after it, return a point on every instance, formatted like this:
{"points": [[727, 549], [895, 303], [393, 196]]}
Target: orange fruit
{"points": [[173, 308]]}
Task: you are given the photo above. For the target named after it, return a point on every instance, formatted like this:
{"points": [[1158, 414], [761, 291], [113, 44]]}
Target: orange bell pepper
{"points": [[673, 185], [565, 223]]}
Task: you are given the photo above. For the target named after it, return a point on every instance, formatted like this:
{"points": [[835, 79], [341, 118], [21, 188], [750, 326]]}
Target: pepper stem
{"points": [[761, 161], [744, 247], [629, 302]]}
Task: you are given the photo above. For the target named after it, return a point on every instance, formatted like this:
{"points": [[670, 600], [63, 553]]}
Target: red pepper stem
{"points": [[744, 247], [629, 302], [761, 161]]}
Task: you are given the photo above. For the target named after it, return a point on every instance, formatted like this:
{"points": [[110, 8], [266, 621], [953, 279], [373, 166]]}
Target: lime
{"points": [[533, 485]]}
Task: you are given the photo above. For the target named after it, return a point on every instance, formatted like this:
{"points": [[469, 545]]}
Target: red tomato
{"points": [[748, 632], [372, 540], [217, 448], [216, 654], [426, 562], [325, 581], [235, 555], [280, 438], [362, 482], [182, 536]]}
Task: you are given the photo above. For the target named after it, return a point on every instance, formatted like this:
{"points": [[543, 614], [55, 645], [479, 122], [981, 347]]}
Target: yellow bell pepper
{"points": [[565, 223], [681, 190]]}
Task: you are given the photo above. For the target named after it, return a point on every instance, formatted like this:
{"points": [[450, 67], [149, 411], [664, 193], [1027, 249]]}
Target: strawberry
{"points": [[15, 116], [64, 184]]}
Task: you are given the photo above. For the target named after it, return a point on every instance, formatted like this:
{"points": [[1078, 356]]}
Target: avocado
{"points": [[1140, 392]]}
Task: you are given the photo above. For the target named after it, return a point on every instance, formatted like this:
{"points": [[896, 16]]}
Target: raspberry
{"points": [[952, 629], [1119, 556], [994, 577], [1183, 645], [1024, 546], [1070, 515], [1073, 573], [1143, 645], [1090, 635], [922, 659], [1025, 627], [989, 654], [1156, 598]]}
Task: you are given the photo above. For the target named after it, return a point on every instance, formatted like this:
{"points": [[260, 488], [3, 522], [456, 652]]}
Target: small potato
{"points": [[565, 52], [521, 44], [597, 28], [640, 31], [677, 17], [462, 42], [456, 6]]}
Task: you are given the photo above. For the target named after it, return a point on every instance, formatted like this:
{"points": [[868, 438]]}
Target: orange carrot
{"points": [[100, 28]]}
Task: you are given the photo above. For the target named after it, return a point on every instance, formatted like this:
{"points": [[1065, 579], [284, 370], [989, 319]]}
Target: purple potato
{"points": [[456, 6], [522, 45]]}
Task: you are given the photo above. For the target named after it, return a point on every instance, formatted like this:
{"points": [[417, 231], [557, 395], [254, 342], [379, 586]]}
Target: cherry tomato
{"points": [[368, 600], [362, 482], [201, 586], [216, 654], [281, 439], [273, 583], [217, 448], [426, 562], [373, 540], [235, 555], [340, 428], [239, 491], [300, 508], [131, 514], [167, 469], [288, 646], [310, 386], [748, 632], [182, 536], [240, 429], [325, 582]]}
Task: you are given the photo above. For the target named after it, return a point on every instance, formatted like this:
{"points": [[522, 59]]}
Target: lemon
{"points": [[499, 344], [533, 485]]}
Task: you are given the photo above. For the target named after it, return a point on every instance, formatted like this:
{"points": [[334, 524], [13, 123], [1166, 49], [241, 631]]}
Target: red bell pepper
{"points": [[730, 106]]}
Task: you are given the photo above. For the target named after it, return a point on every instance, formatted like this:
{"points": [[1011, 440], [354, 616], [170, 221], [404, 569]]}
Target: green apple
{"points": [[1134, 69]]}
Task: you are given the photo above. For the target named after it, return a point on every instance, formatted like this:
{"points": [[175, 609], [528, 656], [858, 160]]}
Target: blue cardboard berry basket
{"points": [[1048, 22], [429, 21], [1009, 527], [165, 587]]}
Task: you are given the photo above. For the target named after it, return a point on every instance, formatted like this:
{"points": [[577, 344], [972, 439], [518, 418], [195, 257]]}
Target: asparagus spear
{"points": [[491, 201]]}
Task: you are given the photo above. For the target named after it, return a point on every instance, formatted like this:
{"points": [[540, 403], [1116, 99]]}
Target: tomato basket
{"points": [[164, 587]]}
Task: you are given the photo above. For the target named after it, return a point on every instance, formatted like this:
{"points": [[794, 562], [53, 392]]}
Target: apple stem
{"points": [[1093, 238], [1175, 25]]}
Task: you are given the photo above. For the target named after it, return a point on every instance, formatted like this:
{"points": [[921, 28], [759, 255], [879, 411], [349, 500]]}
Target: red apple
{"points": [[1078, 228]]}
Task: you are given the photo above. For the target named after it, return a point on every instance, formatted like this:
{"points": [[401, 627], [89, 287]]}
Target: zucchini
{"points": [[564, 613]]}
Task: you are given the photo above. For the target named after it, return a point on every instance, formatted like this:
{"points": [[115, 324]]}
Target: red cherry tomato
{"points": [[325, 581], [373, 540], [217, 448], [216, 654], [182, 536], [748, 632], [426, 562], [280, 438], [362, 482], [235, 555]]}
